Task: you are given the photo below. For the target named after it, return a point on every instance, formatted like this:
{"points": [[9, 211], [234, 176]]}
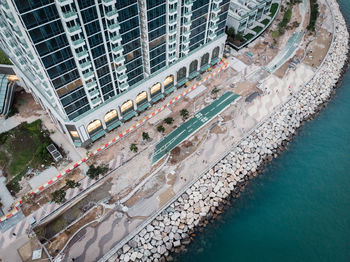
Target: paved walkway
{"points": [[5, 196], [192, 125]]}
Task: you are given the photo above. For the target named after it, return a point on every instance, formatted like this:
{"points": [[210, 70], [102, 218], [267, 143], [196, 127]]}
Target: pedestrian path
{"points": [[192, 125]]}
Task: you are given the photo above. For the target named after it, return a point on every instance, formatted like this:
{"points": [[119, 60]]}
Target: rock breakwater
{"points": [[172, 229]]}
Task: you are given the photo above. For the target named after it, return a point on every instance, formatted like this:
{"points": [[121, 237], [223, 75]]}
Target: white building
{"points": [[244, 15], [93, 65]]}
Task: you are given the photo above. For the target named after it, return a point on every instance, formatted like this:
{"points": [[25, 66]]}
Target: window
{"points": [[94, 126]]}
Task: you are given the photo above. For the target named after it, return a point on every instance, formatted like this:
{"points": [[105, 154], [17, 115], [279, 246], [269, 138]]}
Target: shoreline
{"points": [[207, 197]]}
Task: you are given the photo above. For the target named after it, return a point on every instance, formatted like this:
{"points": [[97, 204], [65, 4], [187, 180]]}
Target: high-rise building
{"points": [[93, 64]]}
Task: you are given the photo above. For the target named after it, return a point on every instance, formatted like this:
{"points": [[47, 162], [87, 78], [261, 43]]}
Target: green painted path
{"points": [[192, 125]]}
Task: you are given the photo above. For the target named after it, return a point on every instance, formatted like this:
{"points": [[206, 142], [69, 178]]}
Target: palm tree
{"points": [[133, 148], [168, 120], [161, 129], [184, 113], [145, 136]]}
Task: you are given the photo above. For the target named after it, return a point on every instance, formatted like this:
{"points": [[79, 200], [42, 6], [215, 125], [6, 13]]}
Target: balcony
{"points": [[121, 69], [186, 41], [216, 10], [114, 27], [122, 78], [215, 19], [89, 75], [186, 33], [172, 31], [96, 101], [85, 65], [172, 49], [172, 58], [211, 36], [93, 93], [116, 39], [108, 2], [172, 11], [91, 85], [64, 2], [124, 86], [5, 5], [74, 30], [188, 14], [78, 43], [188, 3], [172, 41], [119, 59], [187, 23], [118, 50], [69, 16], [172, 21], [82, 54], [213, 27], [112, 14], [185, 50]]}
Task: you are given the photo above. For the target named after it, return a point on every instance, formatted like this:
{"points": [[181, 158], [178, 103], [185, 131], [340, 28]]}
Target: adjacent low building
{"points": [[245, 15], [94, 64]]}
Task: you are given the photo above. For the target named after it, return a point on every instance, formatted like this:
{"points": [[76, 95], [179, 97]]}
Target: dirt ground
{"points": [[33, 203], [58, 242], [280, 72], [27, 249], [26, 105], [317, 50]]}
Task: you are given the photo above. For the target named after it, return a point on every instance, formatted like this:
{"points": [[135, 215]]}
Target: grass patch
{"points": [[275, 34], [314, 15], [3, 59], [265, 22], [257, 29], [273, 9], [248, 36], [23, 146]]}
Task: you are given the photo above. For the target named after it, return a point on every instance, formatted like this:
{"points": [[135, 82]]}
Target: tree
{"points": [[59, 196], [133, 148], [161, 129], [95, 171], [231, 32], [184, 113], [71, 183], [168, 120], [145, 136], [215, 91]]}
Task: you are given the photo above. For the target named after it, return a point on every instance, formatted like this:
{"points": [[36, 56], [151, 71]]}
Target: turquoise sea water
{"points": [[299, 208]]}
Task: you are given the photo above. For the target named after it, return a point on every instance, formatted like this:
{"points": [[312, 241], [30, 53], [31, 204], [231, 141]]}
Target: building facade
{"points": [[244, 15], [94, 64]]}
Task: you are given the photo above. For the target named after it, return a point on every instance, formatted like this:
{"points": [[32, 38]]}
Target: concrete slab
{"points": [[159, 117], [43, 177], [5, 196], [199, 90]]}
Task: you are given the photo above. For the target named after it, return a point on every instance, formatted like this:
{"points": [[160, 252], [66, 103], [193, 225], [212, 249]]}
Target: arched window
{"points": [[169, 81], [155, 89], [181, 74], [193, 66], [141, 98], [127, 107], [205, 59], [215, 53], [111, 116], [94, 127]]}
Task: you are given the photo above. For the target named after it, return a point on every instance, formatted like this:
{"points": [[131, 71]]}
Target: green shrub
{"points": [[95, 171], [59, 196]]}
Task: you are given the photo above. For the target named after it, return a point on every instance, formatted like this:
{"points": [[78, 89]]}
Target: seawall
{"points": [[205, 198]]}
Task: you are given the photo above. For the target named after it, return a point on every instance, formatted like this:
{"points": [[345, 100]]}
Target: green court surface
{"points": [[192, 125]]}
